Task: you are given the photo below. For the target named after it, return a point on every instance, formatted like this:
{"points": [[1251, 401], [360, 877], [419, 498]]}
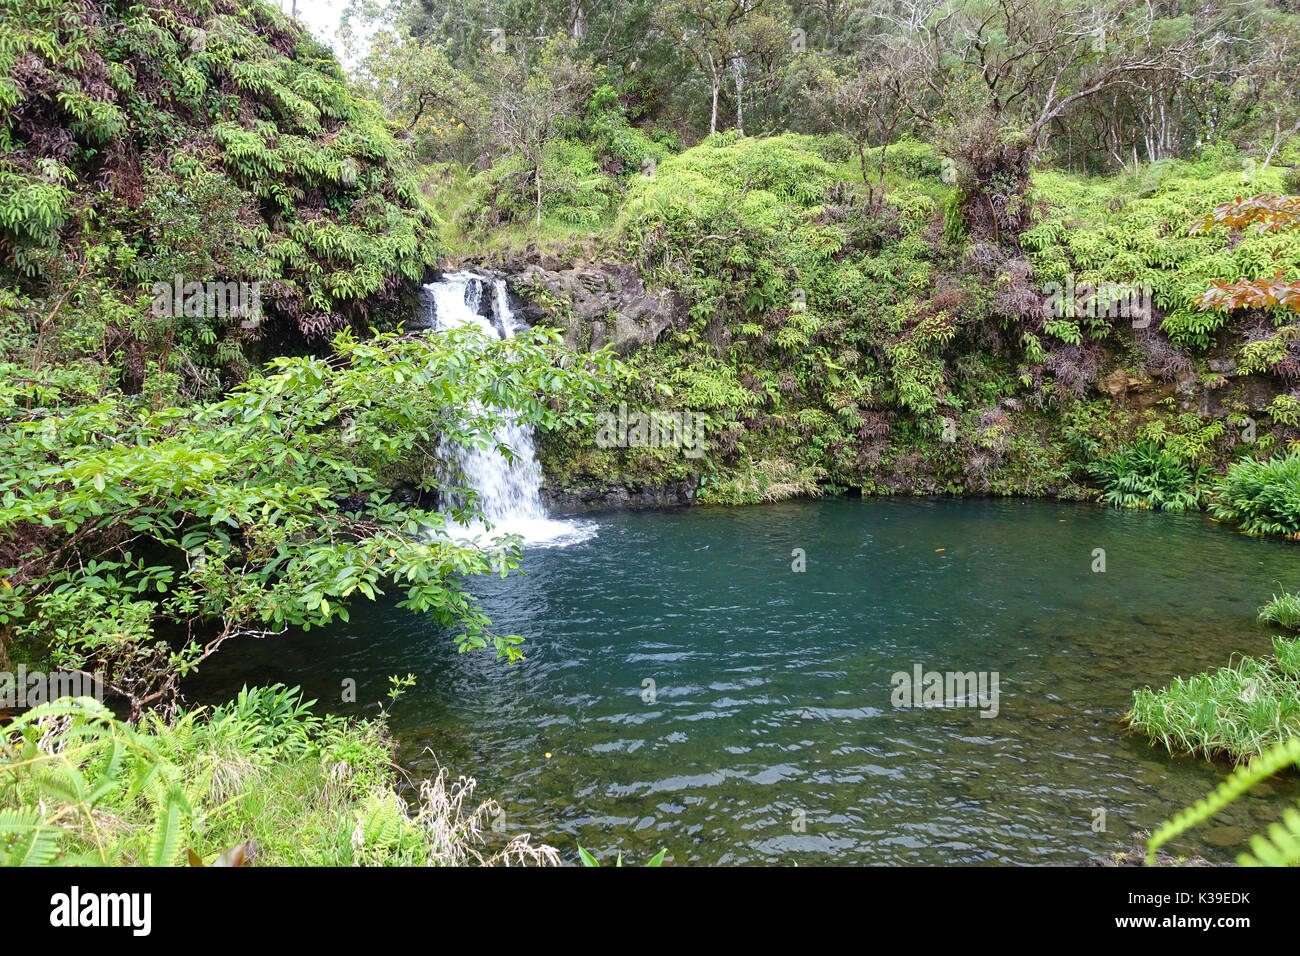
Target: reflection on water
{"points": [[696, 693]]}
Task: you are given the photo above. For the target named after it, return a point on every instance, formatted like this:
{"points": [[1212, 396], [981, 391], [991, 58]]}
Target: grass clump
{"points": [[1283, 610], [1235, 711], [1262, 496]]}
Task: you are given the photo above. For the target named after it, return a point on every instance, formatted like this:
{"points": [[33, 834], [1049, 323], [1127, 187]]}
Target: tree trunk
{"points": [[537, 174], [740, 100], [717, 81]]}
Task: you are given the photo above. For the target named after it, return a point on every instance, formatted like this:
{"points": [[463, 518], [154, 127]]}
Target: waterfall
{"points": [[509, 491]]}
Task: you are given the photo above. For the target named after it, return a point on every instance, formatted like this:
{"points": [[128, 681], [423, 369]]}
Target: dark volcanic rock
{"points": [[585, 493], [608, 303]]}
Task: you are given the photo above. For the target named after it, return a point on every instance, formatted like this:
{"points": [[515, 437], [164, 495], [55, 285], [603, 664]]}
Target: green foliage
{"points": [[288, 788], [1262, 496], [1280, 846], [223, 143], [1291, 181], [576, 193], [622, 149], [1238, 711], [269, 509], [803, 335], [589, 859], [761, 481], [1148, 476], [1138, 235], [1283, 610]]}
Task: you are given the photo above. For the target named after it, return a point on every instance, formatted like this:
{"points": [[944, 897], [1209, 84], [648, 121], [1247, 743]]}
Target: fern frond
{"points": [[1281, 847], [33, 842], [166, 837], [1242, 779]]}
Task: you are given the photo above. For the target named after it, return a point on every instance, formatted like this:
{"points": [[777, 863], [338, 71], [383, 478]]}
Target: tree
{"points": [[1001, 73], [419, 88], [1271, 87], [718, 34], [762, 46], [524, 100], [864, 98], [268, 509]]}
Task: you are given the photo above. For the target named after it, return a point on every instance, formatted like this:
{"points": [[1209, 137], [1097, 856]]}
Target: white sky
{"points": [[321, 17]]}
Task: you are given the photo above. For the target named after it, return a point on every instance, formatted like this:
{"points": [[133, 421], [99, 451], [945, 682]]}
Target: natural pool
{"points": [[770, 736]]}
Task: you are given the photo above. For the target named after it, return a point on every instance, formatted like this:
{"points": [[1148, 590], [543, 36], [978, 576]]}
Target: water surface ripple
{"points": [[770, 736]]}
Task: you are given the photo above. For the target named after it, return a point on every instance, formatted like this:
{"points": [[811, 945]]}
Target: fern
{"points": [[26, 839], [167, 827], [1280, 847], [1283, 842]]}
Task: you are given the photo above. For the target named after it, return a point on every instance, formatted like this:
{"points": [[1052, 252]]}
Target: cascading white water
{"points": [[509, 490]]}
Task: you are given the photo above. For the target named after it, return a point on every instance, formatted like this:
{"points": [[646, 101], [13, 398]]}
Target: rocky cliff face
{"points": [[1220, 390], [593, 304], [586, 493]]}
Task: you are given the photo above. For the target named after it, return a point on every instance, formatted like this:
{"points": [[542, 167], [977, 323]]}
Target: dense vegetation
{"points": [[964, 247], [258, 781], [838, 341], [184, 467]]}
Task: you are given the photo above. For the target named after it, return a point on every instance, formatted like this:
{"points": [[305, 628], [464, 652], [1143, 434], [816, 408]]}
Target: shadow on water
{"points": [[768, 733]]}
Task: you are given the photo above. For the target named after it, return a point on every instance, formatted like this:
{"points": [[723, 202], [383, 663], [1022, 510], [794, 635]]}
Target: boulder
{"points": [[608, 303]]}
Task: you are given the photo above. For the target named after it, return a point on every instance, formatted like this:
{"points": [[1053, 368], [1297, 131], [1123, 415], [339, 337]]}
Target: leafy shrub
{"points": [[1148, 476], [1262, 496], [622, 149], [244, 493], [1291, 181]]}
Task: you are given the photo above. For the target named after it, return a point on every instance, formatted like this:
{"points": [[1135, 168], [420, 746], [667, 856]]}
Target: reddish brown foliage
{"points": [[1262, 213]]}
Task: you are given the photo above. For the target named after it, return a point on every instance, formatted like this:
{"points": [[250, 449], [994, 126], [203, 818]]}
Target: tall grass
{"points": [[1283, 610], [1236, 711], [1263, 496]]}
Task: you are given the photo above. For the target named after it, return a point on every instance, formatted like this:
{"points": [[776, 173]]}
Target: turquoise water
{"points": [[770, 735]]}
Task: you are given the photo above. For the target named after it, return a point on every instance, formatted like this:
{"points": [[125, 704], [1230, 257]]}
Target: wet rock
{"points": [[606, 302], [1227, 836], [1139, 858], [587, 493], [1137, 389]]}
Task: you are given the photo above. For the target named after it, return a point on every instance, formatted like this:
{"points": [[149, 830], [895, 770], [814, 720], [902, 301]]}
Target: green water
{"points": [[770, 735]]}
